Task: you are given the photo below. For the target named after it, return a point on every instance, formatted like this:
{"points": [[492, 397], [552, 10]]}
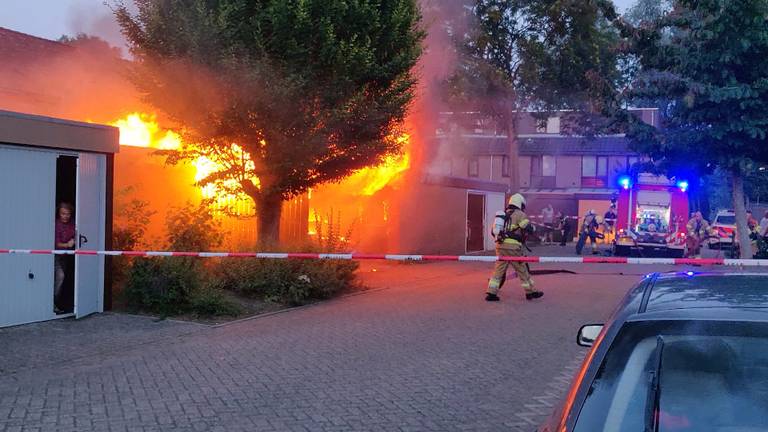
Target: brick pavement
{"points": [[425, 354]]}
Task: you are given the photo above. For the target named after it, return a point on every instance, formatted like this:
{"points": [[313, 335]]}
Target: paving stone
{"points": [[425, 353]]}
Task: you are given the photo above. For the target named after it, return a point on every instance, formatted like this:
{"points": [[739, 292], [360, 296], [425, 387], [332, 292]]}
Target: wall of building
{"points": [[432, 220], [524, 171]]}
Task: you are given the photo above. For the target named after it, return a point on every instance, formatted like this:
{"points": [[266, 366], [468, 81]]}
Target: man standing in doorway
{"points": [[65, 240], [511, 228]]}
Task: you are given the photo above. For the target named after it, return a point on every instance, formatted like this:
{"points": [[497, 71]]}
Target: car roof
{"points": [[729, 293]]}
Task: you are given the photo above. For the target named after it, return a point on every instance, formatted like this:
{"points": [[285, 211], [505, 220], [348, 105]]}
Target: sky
{"points": [[52, 18]]}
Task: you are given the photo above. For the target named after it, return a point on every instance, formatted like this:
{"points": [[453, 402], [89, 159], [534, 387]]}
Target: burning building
{"points": [[88, 83], [438, 196]]}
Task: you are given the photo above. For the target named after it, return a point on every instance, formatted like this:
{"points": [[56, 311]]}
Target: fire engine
{"points": [[651, 215]]}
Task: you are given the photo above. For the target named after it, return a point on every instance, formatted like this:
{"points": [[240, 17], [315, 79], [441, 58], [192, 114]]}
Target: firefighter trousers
{"points": [[500, 271]]}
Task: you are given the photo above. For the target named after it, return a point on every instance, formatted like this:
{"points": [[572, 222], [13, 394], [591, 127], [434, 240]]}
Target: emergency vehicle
{"points": [[651, 215]]}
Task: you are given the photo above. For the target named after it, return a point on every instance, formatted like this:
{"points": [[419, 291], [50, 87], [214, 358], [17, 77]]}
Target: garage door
{"points": [[28, 194]]}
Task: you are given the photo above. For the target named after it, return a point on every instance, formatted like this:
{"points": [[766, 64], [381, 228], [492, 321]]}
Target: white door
{"points": [[27, 195], [493, 202], [90, 213]]}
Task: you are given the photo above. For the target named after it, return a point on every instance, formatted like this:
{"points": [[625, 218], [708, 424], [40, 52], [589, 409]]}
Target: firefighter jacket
{"points": [[516, 226], [589, 224], [697, 228]]}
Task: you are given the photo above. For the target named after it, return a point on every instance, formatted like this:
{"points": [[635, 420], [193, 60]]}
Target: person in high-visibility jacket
{"points": [[698, 231], [510, 229]]}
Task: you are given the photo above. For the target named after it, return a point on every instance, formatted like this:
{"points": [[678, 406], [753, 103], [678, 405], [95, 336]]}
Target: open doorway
{"points": [[475, 224], [65, 235]]}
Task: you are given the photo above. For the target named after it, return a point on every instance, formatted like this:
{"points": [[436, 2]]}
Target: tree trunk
{"points": [[268, 211], [514, 151], [742, 228]]}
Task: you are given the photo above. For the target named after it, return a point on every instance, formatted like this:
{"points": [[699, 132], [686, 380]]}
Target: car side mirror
{"points": [[588, 334]]}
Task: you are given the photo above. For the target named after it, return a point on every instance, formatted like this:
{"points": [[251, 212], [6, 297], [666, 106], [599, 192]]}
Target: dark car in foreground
{"points": [[683, 352]]}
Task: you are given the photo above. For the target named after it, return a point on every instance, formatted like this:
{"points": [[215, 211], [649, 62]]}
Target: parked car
{"points": [[723, 230], [682, 352]]}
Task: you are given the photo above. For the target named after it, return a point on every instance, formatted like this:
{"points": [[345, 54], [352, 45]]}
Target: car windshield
{"points": [[714, 377], [726, 220]]}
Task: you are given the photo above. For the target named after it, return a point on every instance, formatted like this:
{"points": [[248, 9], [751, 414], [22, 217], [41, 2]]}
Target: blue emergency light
{"points": [[683, 185], [625, 182]]}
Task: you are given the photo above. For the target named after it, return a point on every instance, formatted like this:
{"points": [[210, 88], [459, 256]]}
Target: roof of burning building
{"points": [[18, 47]]}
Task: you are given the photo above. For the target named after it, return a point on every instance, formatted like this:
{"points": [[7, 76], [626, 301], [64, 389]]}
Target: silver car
{"points": [[683, 352]]}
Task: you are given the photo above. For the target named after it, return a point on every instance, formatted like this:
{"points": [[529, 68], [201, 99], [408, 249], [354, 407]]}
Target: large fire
{"points": [[142, 130], [373, 179], [354, 199]]}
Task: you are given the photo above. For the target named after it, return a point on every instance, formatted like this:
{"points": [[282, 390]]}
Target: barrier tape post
{"points": [[399, 257]]}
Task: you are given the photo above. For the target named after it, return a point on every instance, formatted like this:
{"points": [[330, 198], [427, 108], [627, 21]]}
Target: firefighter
{"points": [[698, 231], [588, 230], [511, 229], [609, 221]]}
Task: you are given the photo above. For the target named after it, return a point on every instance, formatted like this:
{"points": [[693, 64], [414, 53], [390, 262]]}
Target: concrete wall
{"points": [[568, 172], [432, 220]]}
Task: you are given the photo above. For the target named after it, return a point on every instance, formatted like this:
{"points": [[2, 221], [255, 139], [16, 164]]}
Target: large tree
{"points": [[534, 55], [712, 85], [282, 94]]}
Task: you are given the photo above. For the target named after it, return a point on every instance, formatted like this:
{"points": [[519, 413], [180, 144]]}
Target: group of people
{"points": [[698, 231], [590, 228], [511, 229], [555, 223]]}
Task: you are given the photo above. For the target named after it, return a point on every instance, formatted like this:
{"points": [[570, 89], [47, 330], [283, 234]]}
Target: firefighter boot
{"points": [[534, 295], [492, 297]]}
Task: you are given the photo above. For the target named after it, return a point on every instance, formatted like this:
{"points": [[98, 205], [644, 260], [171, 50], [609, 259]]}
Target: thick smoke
{"points": [[84, 19]]}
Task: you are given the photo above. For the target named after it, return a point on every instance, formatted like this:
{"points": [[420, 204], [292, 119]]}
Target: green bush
{"points": [[174, 286], [293, 282], [209, 301], [192, 228], [161, 285]]}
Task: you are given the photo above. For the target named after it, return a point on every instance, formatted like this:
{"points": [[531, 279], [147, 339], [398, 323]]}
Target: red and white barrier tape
{"points": [[391, 257]]}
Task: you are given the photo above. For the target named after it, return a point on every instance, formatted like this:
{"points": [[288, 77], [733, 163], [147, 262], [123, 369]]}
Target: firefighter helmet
{"points": [[517, 200]]}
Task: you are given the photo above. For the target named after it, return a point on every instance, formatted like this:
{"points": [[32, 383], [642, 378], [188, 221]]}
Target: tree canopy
{"points": [[538, 55], [701, 64], [282, 94]]}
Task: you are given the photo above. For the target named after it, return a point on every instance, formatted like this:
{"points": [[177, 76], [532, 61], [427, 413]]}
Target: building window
{"points": [[543, 171], [550, 125], [588, 166], [602, 167], [505, 166], [473, 169], [548, 166], [553, 125], [594, 171]]}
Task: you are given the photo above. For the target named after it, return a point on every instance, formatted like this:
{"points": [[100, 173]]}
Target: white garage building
{"points": [[44, 162]]}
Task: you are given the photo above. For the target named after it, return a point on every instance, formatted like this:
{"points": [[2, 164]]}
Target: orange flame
{"points": [[141, 130], [373, 179]]}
